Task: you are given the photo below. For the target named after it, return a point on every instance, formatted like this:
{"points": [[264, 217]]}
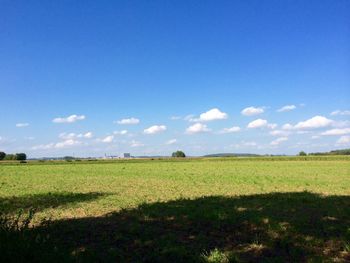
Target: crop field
{"points": [[200, 210]]}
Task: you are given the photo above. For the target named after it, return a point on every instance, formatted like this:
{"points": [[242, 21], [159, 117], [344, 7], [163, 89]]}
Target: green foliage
{"points": [[21, 156], [178, 154], [10, 157], [335, 152], [2, 155], [302, 153]]}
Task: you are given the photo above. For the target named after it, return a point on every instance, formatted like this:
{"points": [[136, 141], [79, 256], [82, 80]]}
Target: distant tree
{"points": [[21, 156], [10, 157], [178, 154], [302, 153], [2, 155]]}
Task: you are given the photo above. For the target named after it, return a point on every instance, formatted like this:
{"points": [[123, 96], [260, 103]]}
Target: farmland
{"points": [[224, 209]]}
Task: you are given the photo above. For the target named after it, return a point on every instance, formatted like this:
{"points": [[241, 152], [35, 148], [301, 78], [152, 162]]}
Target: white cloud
{"points": [[21, 125], [279, 140], [197, 128], [272, 125], [69, 119], [339, 112], [136, 144], [67, 143], [72, 135], [174, 118], [251, 111], [189, 117], [279, 133], [231, 130], [122, 132], [88, 135], [260, 123], [315, 137], [287, 108], [337, 132], [249, 144], [155, 129], [344, 140], [287, 126], [64, 144], [130, 121], [314, 123], [212, 115], [172, 141], [108, 139]]}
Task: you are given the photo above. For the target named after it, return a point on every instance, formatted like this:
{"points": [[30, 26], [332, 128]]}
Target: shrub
{"points": [[178, 154], [21, 156], [2, 155]]}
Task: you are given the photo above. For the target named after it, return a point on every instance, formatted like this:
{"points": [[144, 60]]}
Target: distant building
{"points": [[127, 155]]}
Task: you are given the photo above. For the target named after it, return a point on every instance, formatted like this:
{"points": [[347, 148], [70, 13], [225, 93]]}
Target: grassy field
{"points": [[204, 210]]}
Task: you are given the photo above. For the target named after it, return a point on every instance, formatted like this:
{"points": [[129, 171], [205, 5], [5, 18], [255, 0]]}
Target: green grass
{"points": [[214, 210]]}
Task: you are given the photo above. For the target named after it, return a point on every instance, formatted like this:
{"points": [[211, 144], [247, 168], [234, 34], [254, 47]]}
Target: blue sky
{"points": [[70, 70]]}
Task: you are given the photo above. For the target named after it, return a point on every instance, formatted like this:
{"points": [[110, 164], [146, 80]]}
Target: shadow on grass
{"points": [[43, 201], [276, 227]]}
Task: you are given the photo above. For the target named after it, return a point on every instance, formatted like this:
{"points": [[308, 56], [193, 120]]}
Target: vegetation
{"points": [[335, 152], [178, 154], [17, 156], [198, 210], [302, 153]]}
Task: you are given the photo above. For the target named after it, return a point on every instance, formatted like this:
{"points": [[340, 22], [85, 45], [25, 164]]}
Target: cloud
{"points": [[64, 144], [344, 140], [287, 126], [260, 123], [339, 112], [22, 125], [122, 132], [155, 129], [287, 108], [252, 144], [337, 132], [87, 135], [170, 142], [314, 123], [134, 143], [251, 111], [197, 128], [129, 121], [72, 135], [212, 115], [69, 119], [279, 140], [67, 143], [174, 118], [108, 139], [230, 130], [279, 133]]}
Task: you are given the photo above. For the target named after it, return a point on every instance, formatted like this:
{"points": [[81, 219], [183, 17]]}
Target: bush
{"points": [[2, 155], [302, 153], [10, 157], [21, 156], [178, 154], [20, 242]]}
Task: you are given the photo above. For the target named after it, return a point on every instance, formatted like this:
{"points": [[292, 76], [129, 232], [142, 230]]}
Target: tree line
{"points": [[10, 156]]}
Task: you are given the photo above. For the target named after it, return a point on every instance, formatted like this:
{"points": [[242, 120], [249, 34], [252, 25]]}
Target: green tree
{"points": [[302, 153], [21, 156], [2, 155], [178, 154], [10, 157]]}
